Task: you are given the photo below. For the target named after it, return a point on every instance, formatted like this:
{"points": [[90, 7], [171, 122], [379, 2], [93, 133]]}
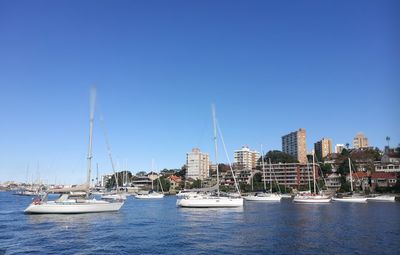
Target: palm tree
{"points": [[388, 140]]}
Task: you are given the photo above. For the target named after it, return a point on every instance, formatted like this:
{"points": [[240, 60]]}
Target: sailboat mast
{"points": [[97, 174], [313, 165], [308, 173], [91, 121], [270, 175], [215, 144], [263, 167], [152, 171], [351, 176]]}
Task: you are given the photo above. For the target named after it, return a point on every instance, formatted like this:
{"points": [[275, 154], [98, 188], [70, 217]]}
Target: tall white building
{"points": [[360, 141], [339, 148], [198, 164], [246, 158]]}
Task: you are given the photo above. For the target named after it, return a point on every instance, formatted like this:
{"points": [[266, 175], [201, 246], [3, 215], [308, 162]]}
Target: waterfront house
{"points": [[360, 179], [175, 182], [333, 182], [379, 179]]}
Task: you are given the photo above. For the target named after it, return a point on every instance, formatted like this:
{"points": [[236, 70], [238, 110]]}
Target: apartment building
{"points": [[294, 144], [246, 158], [323, 148], [198, 164], [360, 141]]}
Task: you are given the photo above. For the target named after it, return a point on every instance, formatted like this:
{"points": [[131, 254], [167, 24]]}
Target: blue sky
{"points": [[271, 67]]}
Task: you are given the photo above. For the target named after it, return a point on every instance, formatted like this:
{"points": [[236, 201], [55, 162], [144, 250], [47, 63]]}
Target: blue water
{"points": [[159, 227]]}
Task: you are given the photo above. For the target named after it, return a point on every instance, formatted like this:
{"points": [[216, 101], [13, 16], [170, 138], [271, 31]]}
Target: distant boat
{"points": [[309, 197], [204, 200], [152, 194], [382, 198], [117, 196], [76, 200], [28, 192], [353, 198], [265, 196]]}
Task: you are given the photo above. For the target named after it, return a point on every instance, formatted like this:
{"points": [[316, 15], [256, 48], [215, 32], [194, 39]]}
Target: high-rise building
{"points": [[339, 148], [198, 164], [323, 148], [246, 158], [360, 141], [295, 145]]}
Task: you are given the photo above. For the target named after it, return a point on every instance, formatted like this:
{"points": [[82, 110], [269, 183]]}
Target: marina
{"points": [[298, 154]]}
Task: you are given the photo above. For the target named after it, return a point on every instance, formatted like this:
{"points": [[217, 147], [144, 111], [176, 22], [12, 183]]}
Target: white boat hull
{"points": [[68, 208], [149, 196], [266, 198], [383, 198], [311, 199], [210, 202], [350, 199], [114, 196]]}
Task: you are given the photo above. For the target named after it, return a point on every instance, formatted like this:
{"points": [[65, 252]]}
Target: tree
{"points": [[279, 157], [345, 152], [182, 172], [164, 182], [195, 184], [224, 167], [326, 168], [111, 183]]}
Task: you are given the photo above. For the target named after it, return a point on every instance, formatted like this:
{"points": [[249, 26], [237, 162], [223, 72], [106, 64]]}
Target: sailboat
{"points": [[152, 194], [76, 199], [265, 196], [205, 200], [353, 198], [309, 197]]}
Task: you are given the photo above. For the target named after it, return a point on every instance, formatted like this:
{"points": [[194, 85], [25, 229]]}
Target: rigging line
{"points": [[276, 179], [108, 149], [227, 156]]}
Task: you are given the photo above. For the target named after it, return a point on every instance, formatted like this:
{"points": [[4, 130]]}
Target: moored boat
{"points": [[215, 200], [352, 198], [382, 198], [76, 199]]}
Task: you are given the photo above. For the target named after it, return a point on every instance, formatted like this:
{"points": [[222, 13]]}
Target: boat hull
{"points": [[158, 196], [382, 199], [350, 199], [114, 196], [72, 208], [210, 202], [312, 200], [271, 198]]}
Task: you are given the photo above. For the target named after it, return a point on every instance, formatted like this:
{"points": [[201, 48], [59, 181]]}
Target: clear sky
{"points": [[271, 67]]}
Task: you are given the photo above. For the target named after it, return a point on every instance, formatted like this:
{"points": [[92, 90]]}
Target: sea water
{"points": [[159, 227]]}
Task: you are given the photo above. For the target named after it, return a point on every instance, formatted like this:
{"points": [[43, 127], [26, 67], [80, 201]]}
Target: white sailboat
{"points": [[76, 200], [152, 194], [265, 196], [353, 198], [204, 200], [309, 197]]}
